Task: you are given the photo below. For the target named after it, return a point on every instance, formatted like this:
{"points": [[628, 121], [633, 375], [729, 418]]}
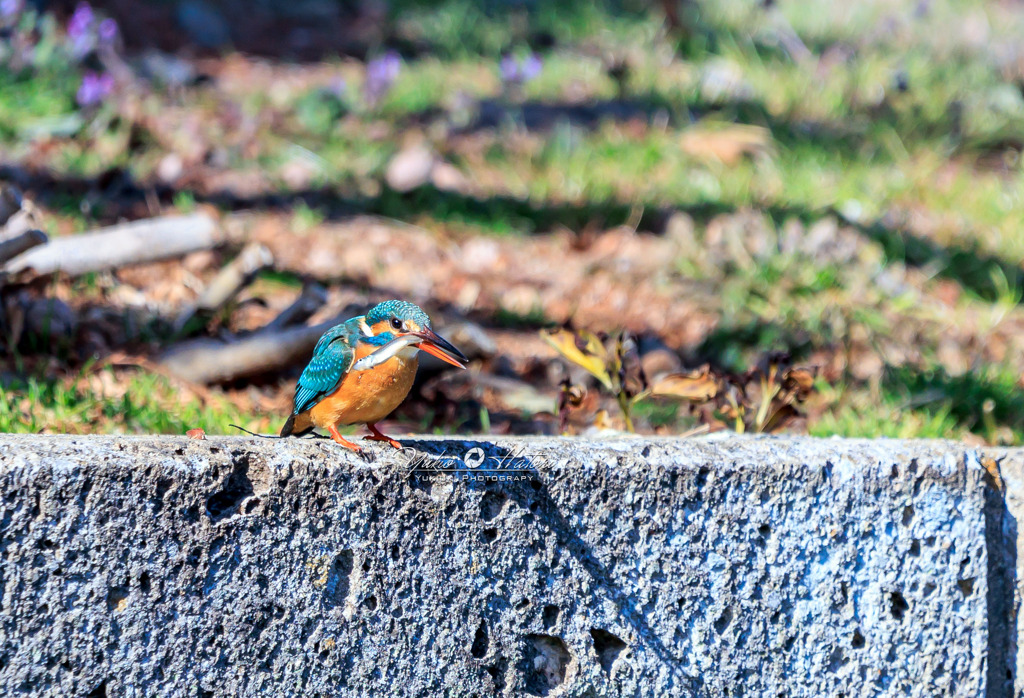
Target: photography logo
{"points": [[474, 464], [474, 458]]}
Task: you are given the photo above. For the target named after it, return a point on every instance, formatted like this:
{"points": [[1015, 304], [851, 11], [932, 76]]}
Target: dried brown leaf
{"points": [[800, 381], [696, 386], [583, 349]]}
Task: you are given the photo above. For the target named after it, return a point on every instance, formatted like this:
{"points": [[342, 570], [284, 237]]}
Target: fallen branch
{"points": [[309, 301], [10, 203], [140, 242], [235, 276], [212, 361], [9, 249]]}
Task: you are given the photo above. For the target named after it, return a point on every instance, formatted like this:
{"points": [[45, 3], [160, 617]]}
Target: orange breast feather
{"points": [[364, 397]]}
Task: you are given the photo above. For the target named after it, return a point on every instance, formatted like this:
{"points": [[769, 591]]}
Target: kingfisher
{"points": [[363, 369]]}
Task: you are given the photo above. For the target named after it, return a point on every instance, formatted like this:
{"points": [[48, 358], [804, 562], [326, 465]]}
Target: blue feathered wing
{"points": [[332, 358]]}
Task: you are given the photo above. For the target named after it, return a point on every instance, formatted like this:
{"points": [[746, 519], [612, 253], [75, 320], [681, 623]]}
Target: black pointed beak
{"points": [[438, 346]]}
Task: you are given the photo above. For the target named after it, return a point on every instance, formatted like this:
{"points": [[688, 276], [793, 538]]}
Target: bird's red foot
{"points": [[342, 440], [377, 436]]}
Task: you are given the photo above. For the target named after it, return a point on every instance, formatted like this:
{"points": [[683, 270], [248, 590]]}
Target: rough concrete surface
{"points": [[163, 566], [1007, 603]]}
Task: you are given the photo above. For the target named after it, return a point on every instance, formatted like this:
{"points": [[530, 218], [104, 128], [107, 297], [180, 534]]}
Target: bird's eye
{"points": [[396, 323]]}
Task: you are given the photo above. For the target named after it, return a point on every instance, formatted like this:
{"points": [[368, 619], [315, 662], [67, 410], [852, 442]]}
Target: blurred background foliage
{"points": [[729, 189]]}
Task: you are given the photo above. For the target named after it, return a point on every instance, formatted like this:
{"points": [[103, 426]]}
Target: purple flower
{"points": [[81, 21], [80, 30], [94, 89], [108, 31], [381, 74], [515, 72], [9, 8], [509, 69], [530, 67]]}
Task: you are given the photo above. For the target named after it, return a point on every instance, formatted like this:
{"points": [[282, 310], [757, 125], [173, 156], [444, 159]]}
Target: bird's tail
{"points": [[297, 425]]}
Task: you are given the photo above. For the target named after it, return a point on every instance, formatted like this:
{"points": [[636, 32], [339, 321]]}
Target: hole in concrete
{"points": [[535, 484], [898, 605], [608, 648], [144, 582], [723, 621], [929, 587], [858, 640], [908, 514], [764, 530], [546, 663], [339, 578], [490, 535], [837, 659], [915, 548], [966, 586], [480, 640], [492, 505], [100, 691], [497, 673], [117, 598], [702, 477], [844, 592], [550, 616], [163, 486], [236, 488], [370, 603]]}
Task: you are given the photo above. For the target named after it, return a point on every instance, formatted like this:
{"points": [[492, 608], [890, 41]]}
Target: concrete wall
{"points": [[162, 566]]}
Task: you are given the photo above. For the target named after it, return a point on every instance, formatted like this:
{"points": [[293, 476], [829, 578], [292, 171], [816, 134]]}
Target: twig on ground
{"points": [[313, 296], [213, 361], [235, 276], [140, 242], [9, 249]]}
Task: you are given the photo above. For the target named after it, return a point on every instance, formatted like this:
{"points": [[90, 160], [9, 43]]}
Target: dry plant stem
{"points": [[313, 296], [212, 361], [235, 276], [144, 241], [624, 408]]}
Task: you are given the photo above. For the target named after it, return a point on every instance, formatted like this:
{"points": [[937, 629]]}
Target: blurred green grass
{"points": [[906, 127]]}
